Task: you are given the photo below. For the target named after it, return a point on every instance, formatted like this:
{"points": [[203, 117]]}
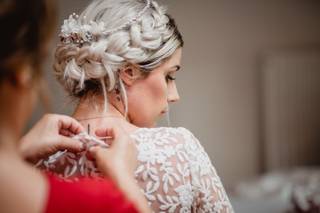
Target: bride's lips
{"points": [[164, 111]]}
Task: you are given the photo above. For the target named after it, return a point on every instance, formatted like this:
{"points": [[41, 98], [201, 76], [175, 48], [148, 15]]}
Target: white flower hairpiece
{"points": [[73, 31]]}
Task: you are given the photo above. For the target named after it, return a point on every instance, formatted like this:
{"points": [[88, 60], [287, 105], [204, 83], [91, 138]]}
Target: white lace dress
{"points": [[174, 171]]}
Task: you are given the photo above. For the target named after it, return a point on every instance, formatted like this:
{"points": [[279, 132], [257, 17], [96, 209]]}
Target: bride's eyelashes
{"points": [[170, 77]]}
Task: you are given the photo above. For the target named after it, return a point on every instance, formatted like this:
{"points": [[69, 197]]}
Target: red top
{"points": [[86, 195]]}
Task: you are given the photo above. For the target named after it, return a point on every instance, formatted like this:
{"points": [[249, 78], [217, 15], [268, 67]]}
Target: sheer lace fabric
{"points": [[174, 172]]}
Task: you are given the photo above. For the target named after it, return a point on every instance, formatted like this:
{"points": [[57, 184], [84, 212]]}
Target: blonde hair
{"points": [[145, 43]]}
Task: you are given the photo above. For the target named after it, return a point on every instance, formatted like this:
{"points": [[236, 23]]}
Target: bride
{"points": [[120, 58]]}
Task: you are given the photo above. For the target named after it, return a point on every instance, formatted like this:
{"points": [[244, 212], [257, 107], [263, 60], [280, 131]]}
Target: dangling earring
{"points": [[117, 91]]}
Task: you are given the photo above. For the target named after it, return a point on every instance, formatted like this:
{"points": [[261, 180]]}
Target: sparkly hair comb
{"points": [[72, 31]]}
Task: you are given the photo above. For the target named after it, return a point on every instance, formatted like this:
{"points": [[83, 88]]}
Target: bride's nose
{"points": [[173, 95]]}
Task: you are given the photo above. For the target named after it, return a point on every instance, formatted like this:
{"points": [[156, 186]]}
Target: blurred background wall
{"points": [[221, 83]]}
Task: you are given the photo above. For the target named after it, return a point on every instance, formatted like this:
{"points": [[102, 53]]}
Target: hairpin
{"points": [[73, 31]]}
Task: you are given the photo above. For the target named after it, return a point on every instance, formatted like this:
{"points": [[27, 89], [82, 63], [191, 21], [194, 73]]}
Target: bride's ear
{"points": [[129, 75]]}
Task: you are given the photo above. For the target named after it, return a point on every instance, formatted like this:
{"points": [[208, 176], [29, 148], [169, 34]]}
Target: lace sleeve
{"points": [[204, 178], [176, 174]]}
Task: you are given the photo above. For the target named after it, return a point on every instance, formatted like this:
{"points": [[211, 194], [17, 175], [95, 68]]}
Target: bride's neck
{"points": [[87, 110], [95, 115]]}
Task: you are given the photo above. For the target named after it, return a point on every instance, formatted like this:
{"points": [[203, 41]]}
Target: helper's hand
{"points": [[119, 162], [51, 134], [120, 158]]}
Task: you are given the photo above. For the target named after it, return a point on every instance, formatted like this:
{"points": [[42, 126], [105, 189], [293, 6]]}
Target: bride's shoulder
{"points": [[169, 131], [174, 135]]}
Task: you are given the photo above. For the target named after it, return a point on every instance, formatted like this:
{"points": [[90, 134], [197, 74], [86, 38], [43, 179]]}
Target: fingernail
{"points": [[82, 146]]}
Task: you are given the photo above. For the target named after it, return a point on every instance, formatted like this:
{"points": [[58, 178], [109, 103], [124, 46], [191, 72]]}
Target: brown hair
{"points": [[27, 26]]}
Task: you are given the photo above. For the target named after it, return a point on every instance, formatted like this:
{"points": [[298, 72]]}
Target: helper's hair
{"points": [[27, 27]]}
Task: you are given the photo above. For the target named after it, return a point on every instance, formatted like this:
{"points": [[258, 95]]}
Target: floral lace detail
{"points": [[176, 174], [174, 171]]}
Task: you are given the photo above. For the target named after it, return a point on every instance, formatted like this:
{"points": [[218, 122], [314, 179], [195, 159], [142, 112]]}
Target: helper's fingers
{"points": [[98, 153], [66, 132], [120, 139], [94, 151], [100, 157], [70, 124], [114, 132], [105, 132], [70, 144]]}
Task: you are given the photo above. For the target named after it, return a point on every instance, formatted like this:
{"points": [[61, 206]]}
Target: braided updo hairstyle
{"points": [[146, 42]]}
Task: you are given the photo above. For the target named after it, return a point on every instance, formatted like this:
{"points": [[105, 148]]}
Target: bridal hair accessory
{"points": [[73, 31]]}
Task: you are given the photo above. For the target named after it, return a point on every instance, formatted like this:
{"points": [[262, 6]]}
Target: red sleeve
{"points": [[87, 195]]}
